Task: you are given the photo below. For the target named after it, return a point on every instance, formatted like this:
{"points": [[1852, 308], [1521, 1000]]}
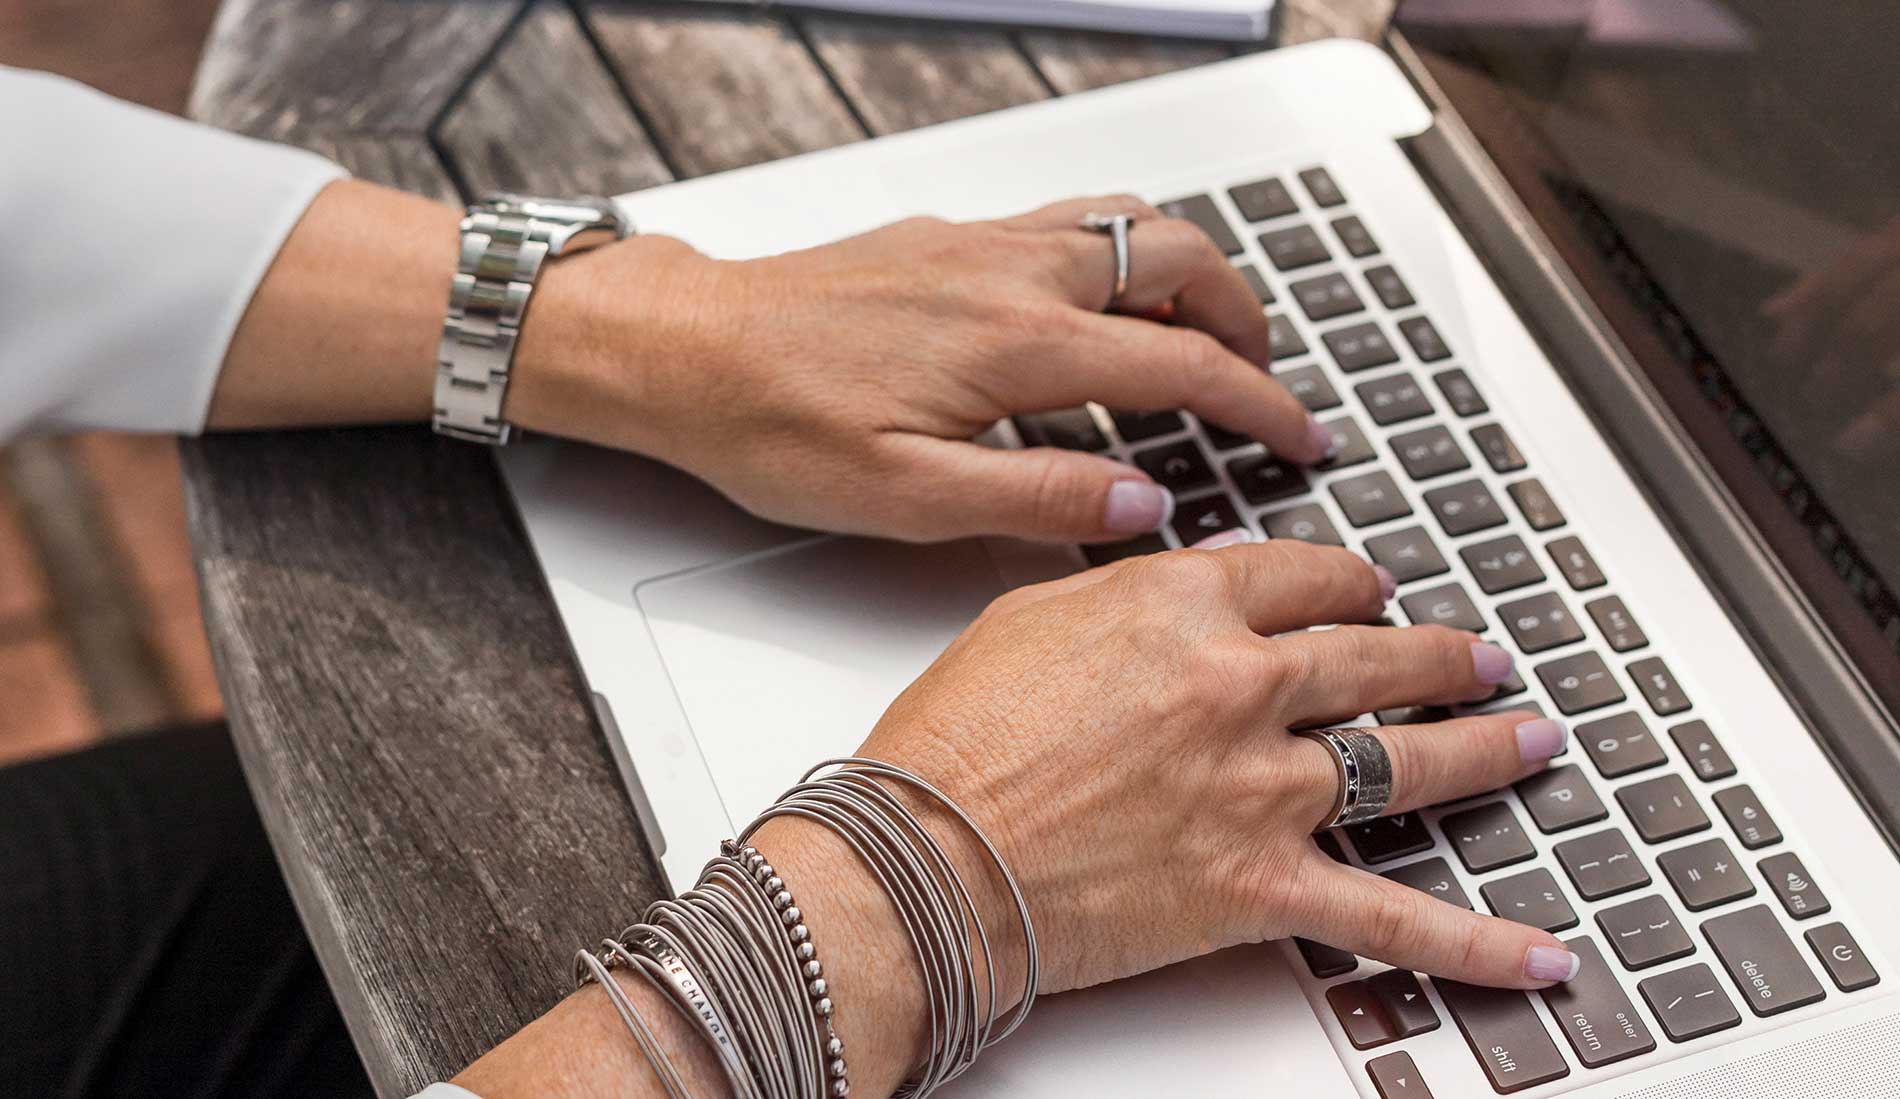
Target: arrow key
{"points": [[1397, 1077], [1401, 999], [1359, 1014]]}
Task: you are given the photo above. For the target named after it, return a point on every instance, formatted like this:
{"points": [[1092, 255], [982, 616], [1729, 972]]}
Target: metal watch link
{"points": [[505, 239]]}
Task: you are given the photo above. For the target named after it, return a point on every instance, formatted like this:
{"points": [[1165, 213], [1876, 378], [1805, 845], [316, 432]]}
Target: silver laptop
{"points": [[1516, 262]]}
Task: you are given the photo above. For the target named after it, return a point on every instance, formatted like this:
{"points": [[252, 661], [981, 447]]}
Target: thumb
{"points": [[1043, 493]]}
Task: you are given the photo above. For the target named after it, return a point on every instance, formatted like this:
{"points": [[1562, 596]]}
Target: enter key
{"points": [[1595, 1013]]}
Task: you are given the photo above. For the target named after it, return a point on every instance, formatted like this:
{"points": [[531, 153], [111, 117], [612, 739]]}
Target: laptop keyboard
{"points": [[1428, 482]]}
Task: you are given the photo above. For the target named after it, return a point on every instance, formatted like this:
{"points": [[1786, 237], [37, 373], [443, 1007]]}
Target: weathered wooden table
{"points": [[410, 718]]}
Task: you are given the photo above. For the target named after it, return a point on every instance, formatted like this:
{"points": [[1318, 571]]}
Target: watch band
{"points": [[505, 240]]}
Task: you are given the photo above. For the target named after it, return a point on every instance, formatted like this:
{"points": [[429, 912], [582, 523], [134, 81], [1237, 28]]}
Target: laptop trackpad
{"points": [[787, 657]]}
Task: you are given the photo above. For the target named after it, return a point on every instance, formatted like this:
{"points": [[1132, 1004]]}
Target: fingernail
{"points": [[1388, 584], [1541, 739], [1225, 538], [1492, 664], [1320, 441], [1137, 506], [1550, 963]]}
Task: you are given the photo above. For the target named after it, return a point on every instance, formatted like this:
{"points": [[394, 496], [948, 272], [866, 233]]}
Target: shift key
{"points": [[1506, 1034], [1595, 1013]]}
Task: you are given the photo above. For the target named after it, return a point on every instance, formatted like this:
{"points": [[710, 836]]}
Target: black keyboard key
{"points": [[1705, 753], [1659, 686], [1369, 498], [1180, 467], [1445, 605], [1746, 817], [1579, 568], [1257, 283], [1461, 395], [1580, 683], [1842, 958], [1068, 428], [1350, 445], [1601, 864], [1688, 1003], [1383, 839], [1505, 1033], [1762, 961], [1359, 1015], [1403, 1002], [1594, 1012], [1500, 453], [1360, 346], [1283, 340], [1136, 426], [1535, 504], [1705, 874], [1794, 885], [1645, 932], [1319, 183], [1540, 622], [1116, 551], [1531, 898], [1429, 452], [1432, 876], [1487, 837], [1560, 798], [1501, 564], [1220, 438], [1616, 624], [1262, 478], [1620, 745], [1309, 385], [1662, 808], [1305, 523], [1328, 845], [1393, 399], [1426, 343], [1325, 961], [1464, 508], [1263, 199], [1198, 519], [1294, 247], [1412, 715], [1356, 238], [1206, 216], [1408, 554], [1392, 291], [1396, 1077], [1324, 297]]}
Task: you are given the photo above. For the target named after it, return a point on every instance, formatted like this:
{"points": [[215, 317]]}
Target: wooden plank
{"points": [[900, 75], [273, 67], [1311, 20], [546, 117], [721, 89], [1077, 62]]}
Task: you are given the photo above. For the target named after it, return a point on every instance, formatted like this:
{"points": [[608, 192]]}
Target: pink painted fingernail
{"points": [[1137, 506], [1225, 538], [1320, 442], [1550, 963], [1491, 664], [1541, 739], [1388, 584]]}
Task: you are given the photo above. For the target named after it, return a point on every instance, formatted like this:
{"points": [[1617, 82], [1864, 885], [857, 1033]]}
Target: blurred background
{"points": [[99, 626]]}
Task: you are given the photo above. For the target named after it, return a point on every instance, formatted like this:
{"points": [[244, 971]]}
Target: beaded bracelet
{"points": [[806, 952]]}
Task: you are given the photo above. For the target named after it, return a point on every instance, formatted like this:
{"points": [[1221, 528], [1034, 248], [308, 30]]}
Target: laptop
{"points": [[1521, 268]]}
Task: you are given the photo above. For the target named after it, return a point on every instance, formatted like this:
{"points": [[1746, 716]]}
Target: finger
{"points": [[1359, 669], [1069, 213], [1378, 918], [1439, 762], [1033, 593], [1044, 494], [1127, 362], [1282, 584]]}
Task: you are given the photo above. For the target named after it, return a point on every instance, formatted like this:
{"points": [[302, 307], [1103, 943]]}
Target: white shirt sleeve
{"points": [[133, 243], [444, 1091]]}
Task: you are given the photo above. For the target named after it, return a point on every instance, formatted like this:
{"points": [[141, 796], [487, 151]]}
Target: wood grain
{"points": [[1074, 62], [902, 75]]}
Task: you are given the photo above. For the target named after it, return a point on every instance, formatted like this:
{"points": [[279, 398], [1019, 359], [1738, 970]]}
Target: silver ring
{"points": [[1365, 774], [1115, 227]]}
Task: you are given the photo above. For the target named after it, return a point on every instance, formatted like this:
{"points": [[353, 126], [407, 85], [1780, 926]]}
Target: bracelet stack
{"points": [[734, 956]]}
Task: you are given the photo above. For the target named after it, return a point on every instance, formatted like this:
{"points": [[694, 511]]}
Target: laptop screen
{"points": [[1724, 175]]}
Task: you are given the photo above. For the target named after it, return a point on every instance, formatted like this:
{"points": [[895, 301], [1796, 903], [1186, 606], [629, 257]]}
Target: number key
{"points": [[1540, 622], [1620, 745], [1464, 508], [1409, 554], [1501, 564], [1370, 498], [1291, 248], [1309, 385], [1429, 452], [1206, 217], [1578, 683]]}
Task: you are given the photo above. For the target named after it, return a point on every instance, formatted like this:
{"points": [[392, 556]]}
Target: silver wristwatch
{"points": [[505, 238]]}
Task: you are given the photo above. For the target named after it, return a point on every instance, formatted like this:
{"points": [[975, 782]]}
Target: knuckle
{"points": [[1197, 360], [1058, 496], [1187, 574], [1398, 924]]}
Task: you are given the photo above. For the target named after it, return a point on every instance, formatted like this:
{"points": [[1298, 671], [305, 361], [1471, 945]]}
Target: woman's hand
{"points": [[838, 387]]}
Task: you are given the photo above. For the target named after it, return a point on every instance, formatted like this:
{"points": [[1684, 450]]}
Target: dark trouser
{"points": [[147, 944]]}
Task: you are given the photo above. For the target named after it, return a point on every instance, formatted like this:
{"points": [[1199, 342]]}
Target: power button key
{"points": [[1841, 955]]}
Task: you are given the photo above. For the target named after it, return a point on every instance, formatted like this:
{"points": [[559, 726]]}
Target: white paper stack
{"points": [[1235, 20]]}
